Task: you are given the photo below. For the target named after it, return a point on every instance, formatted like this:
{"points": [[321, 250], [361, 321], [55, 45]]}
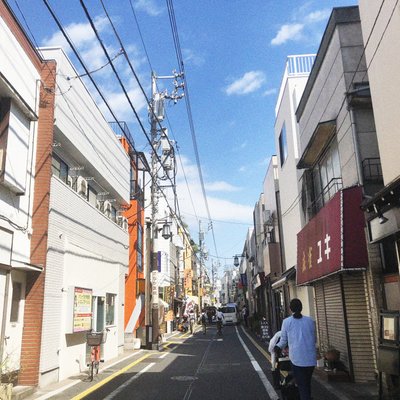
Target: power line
{"points": [[166, 115], [178, 51]]}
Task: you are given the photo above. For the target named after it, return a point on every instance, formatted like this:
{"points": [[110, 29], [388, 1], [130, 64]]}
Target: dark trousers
{"points": [[303, 379]]}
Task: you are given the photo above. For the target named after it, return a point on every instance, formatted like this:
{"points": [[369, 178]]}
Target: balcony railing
{"points": [[333, 186], [121, 129], [300, 64]]}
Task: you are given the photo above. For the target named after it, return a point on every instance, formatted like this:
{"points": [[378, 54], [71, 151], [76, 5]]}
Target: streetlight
{"points": [[236, 262]]}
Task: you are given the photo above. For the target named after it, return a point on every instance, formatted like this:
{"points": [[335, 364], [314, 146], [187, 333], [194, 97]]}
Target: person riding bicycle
{"points": [[220, 319]]}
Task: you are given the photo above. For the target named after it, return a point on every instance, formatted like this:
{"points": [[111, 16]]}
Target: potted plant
{"points": [[331, 357], [7, 376]]}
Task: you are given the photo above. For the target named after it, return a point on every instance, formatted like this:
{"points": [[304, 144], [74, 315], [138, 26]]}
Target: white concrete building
{"points": [[87, 256], [295, 77], [19, 110]]}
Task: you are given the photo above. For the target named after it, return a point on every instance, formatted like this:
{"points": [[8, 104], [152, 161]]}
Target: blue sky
{"points": [[234, 54]]}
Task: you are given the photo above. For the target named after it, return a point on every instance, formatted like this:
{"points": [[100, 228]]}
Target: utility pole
{"points": [[201, 241], [158, 134]]}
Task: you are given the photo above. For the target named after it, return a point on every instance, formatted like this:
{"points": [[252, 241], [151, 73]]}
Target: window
{"points": [[283, 150], [326, 178], [110, 308], [59, 168], [389, 256], [15, 302]]}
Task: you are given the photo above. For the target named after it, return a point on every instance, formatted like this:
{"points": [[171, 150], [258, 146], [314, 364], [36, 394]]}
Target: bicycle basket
{"points": [[94, 338]]}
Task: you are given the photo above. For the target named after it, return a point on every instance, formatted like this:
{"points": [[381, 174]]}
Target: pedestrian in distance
{"points": [[298, 332], [209, 316], [220, 318], [192, 318], [203, 320], [245, 314]]}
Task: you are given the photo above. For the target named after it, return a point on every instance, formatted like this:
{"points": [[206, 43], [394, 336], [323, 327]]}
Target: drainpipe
{"points": [[3, 337], [356, 145], [346, 327]]}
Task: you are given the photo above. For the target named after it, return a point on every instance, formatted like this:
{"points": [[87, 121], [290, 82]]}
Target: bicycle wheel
{"points": [[96, 366], [91, 367]]}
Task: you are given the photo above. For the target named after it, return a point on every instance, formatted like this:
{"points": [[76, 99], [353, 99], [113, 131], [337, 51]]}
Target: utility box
{"points": [[389, 343]]}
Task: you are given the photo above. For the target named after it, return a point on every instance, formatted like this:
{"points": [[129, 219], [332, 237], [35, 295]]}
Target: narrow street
{"points": [[195, 367]]}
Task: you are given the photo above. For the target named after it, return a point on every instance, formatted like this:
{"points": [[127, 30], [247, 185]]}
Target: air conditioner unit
{"points": [[125, 223], [120, 221], [69, 181], [81, 186], [107, 208]]}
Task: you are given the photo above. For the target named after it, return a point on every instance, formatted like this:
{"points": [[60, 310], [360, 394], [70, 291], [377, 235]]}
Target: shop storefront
{"points": [[332, 257]]}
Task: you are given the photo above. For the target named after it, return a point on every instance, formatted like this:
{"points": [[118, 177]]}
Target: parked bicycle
{"points": [[94, 340]]}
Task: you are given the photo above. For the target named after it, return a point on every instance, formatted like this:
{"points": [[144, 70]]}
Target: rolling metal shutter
{"points": [[344, 322], [330, 318], [359, 326]]}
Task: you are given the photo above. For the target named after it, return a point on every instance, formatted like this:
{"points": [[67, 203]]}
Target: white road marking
{"points": [[69, 385], [268, 387], [163, 355], [128, 382]]}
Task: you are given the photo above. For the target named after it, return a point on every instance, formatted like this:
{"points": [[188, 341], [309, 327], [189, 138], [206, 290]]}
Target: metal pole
{"points": [[200, 256], [147, 297], [153, 263]]}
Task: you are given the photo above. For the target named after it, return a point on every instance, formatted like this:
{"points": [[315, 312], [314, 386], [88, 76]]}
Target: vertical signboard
{"points": [[82, 310]]}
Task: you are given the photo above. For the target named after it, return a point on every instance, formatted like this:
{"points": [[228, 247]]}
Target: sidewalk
{"points": [[332, 390], [54, 389]]}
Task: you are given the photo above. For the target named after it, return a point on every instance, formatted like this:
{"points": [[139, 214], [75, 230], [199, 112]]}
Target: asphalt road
{"points": [[194, 367], [190, 367]]}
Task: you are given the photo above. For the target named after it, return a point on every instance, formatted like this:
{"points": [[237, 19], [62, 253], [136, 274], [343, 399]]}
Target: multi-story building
{"points": [[26, 117], [337, 138], [294, 79], [271, 250], [381, 31], [132, 218], [85, 175]]}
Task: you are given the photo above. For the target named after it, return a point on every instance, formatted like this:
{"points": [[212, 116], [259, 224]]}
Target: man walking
{"points": [[298, 331]]}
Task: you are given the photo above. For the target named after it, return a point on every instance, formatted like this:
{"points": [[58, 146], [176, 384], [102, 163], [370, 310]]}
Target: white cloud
{"points": [[189, 57], [303, 25], [287, 32], [81, 34], [220, 208], [221, 186], [269, 92], [148, 6], [248, 83], [317, 16]]}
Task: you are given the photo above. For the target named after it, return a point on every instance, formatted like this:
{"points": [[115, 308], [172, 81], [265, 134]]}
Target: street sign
{"points": [[154, 278]]}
